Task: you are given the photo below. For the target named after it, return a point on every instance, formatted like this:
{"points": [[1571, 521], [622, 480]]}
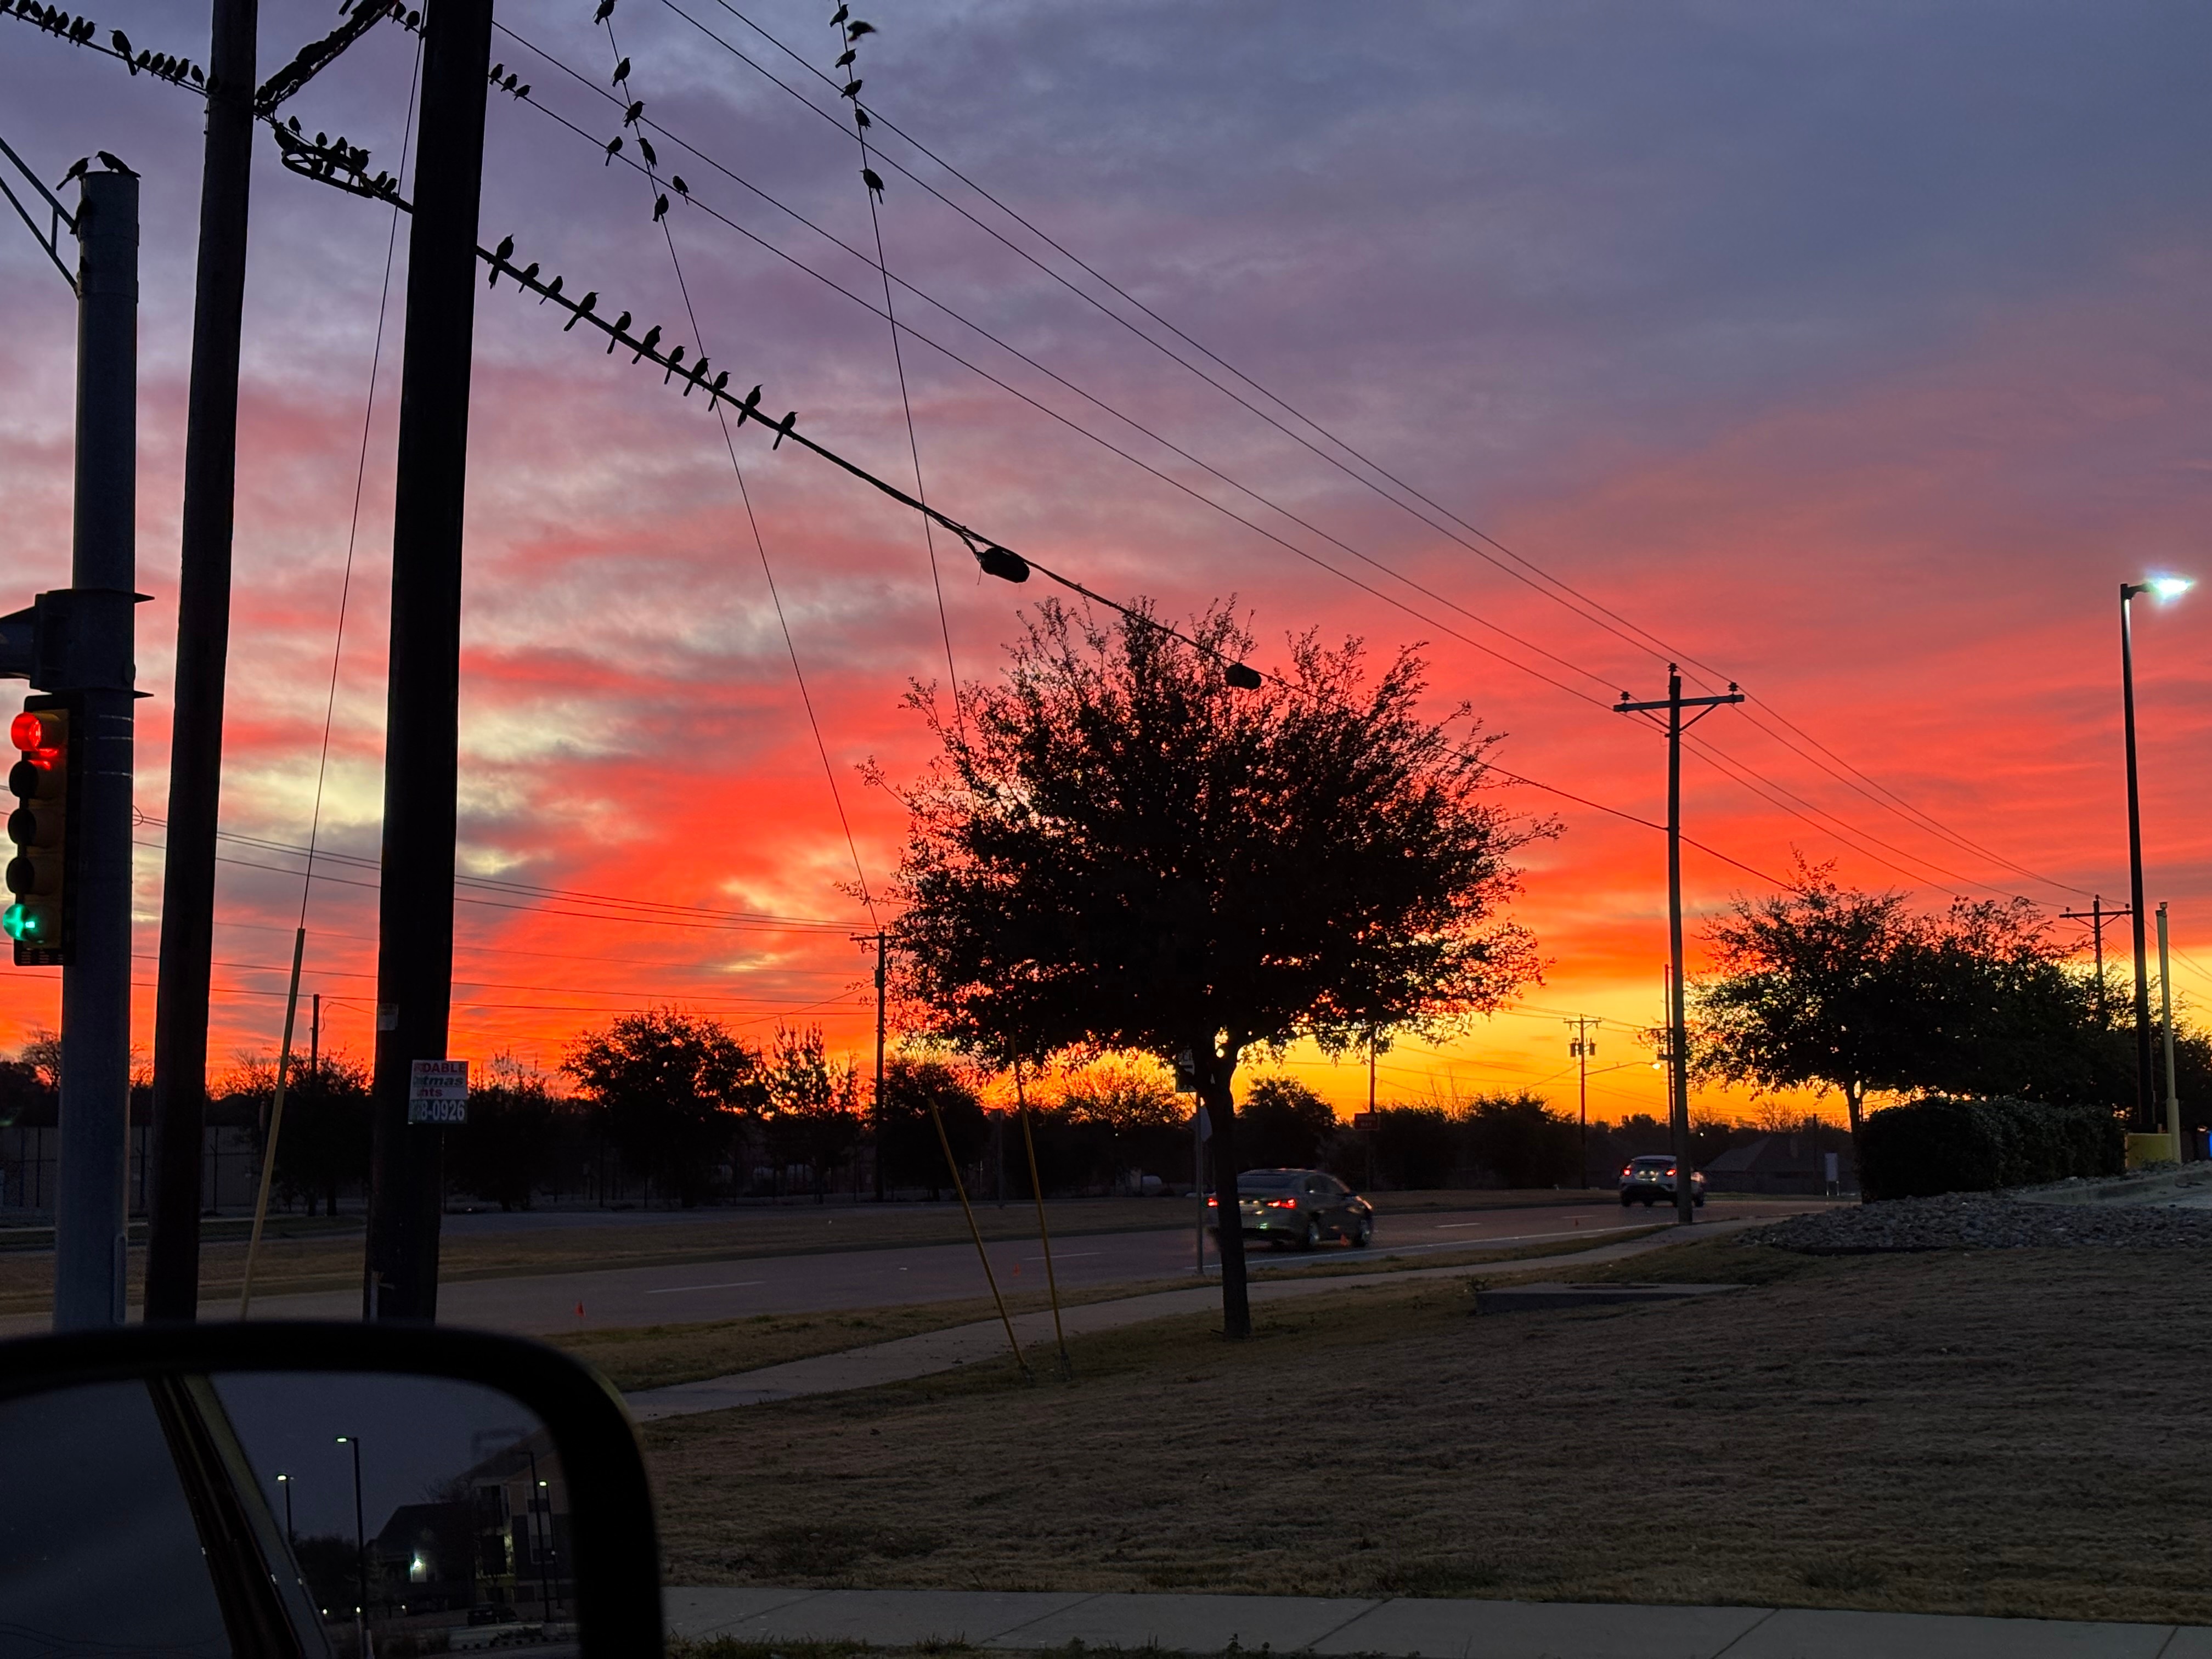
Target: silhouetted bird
{"points": [[121, 42], [675, 357], [721, 380], [682, 189], [783, 428], [506, 246], [651, 338], [621, 323], [850, 89], [606, 10], [512, 81], [857, 30], [621, 72], [552, 290], [875, 183], [698, 369], [583, 310], [660, 207], [76, 170], [860, 117], [497, 69], [840, 16], [630, 115], [848, 57], [529, 273], [614, 149], [113, 163], [645, 149], [751, 401]]}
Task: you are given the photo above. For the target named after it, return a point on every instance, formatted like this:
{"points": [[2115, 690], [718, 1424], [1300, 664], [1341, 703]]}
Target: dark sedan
{"points": [[1299, 1208]]}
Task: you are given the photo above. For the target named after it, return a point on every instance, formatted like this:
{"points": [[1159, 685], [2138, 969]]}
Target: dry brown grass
{"points": [[652, 1356], [2002, 1433]]}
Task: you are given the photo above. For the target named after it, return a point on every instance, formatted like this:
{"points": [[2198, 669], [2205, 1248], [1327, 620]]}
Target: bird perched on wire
{"points": [[121, 42], [615, 334], [873, 180], [651, 338], [115, 164], [660, 209], [614, 149], [77, 171], [583, 310], [552, 290], [630, 115], [849, 56], [607, 10], [680, 188], [783, 428], [645, 149], [621, 72], [851, 89], [840, 16]]}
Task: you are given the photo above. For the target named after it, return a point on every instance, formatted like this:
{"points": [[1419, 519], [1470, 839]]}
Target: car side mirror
{"points": [[312, 1490]]}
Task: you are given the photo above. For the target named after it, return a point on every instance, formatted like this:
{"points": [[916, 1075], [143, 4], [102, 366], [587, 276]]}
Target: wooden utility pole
{"points": [[1580, 1047], [882, 941], [414, 906], [180, 998], [2097, 915], [1678, 1044]]}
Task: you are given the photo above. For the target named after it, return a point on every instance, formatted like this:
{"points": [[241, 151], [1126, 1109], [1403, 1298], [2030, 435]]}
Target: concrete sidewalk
{"points": [[907, 1358], [1401, 1626]]}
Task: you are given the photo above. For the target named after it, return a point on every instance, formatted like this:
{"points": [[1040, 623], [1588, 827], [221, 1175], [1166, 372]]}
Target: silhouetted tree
{"points": [[1118, 849], [813, 1110], [1283, 1125], [668, 1090], [1521, 1140], [506, 1148], [322, 1145], [906, 1139]]}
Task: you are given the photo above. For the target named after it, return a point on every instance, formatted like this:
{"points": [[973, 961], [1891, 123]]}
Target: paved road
{"points": [[697, 1292]]}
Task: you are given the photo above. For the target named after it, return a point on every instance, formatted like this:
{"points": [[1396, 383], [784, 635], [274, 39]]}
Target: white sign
{"points": [[438, 1091]]}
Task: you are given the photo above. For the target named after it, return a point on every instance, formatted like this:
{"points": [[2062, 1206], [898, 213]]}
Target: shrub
{"points": [[1945, 1145]]}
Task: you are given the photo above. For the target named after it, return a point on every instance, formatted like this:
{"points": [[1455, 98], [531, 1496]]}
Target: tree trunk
{"points": [[1215, 1076]]}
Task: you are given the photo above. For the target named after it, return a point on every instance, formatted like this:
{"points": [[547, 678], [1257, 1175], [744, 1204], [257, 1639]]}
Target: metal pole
{"points": [[181, 1000], [415, 909], [359, 1548], [881, 950], [96, 1081], [2166, 1019], [2097, 918], [1677, 1034], [1197, 1175], [543, 1547], [291, 1535], [2146, 1089]]}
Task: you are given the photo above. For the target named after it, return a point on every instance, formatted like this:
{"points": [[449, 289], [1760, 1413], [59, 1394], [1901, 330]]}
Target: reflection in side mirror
{"points": [[224, 1495]]}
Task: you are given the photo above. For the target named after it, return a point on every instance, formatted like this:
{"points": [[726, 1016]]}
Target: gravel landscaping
{"points": [[1984, 1221]]}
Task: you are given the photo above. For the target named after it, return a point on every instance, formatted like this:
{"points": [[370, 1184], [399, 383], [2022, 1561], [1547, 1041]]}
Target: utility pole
{"points": [[2097, 915], [180, 999], [1678, 1044], [2146, 1089], [414, 905], [882, 941], [2166, 1019], [1581, 1047]]}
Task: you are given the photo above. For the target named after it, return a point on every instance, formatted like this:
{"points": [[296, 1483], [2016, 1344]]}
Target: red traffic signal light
{"points": [[42, 781]]}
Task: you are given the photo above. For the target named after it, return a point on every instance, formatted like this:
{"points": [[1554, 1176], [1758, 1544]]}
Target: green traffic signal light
{"points": [[21, 924]]}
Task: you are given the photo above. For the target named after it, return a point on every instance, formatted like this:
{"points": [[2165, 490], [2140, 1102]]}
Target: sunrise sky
{"points": [[1855, 354]]}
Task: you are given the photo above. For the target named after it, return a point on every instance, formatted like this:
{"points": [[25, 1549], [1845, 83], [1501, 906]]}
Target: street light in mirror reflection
{"points": [[359, 1547]]}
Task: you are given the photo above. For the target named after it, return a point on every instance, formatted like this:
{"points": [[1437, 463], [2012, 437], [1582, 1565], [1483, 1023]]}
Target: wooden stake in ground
{"points": [[960, 1191], [276, 1123], [1044, 1233]]}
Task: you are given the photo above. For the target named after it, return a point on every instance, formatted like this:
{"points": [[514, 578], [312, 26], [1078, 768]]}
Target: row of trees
{"points": [[1836, 989]]}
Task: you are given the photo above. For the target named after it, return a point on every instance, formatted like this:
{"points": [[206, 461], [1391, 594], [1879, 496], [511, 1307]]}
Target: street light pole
{"points": [[360, 1548], [291, 1538], [2146, 1110]]}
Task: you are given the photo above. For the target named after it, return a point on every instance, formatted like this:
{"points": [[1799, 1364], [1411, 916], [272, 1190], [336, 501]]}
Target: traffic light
{"points": [[43, 782]]}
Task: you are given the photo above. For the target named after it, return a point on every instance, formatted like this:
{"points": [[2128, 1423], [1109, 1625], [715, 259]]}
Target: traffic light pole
{"points": [[89, 1196], [415, 909], [180, 1002], [1678, 1044]]}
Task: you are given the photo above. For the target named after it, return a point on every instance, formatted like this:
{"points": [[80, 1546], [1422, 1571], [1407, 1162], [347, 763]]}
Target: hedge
{"points": [[1941, 1145]]}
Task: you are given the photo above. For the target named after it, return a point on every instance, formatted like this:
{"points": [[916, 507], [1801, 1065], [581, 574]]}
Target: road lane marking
{"points": [[732, 1285], [1066, 1256]]}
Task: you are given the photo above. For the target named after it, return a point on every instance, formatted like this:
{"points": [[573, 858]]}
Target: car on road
{"points": [[1645, 1180], [1298, 1208]]}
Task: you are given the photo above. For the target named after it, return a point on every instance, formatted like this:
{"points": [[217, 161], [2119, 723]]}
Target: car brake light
{"points": [[1282, 1204]]}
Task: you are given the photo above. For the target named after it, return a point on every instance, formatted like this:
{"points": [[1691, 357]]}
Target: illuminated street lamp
{"points": [[360, 1544], [2163, 588], [290, 1537]]}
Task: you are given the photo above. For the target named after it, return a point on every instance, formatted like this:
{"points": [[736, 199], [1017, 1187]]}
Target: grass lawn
{"points": [[652, 1356], [301, 1254], [2004, 1432]]}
